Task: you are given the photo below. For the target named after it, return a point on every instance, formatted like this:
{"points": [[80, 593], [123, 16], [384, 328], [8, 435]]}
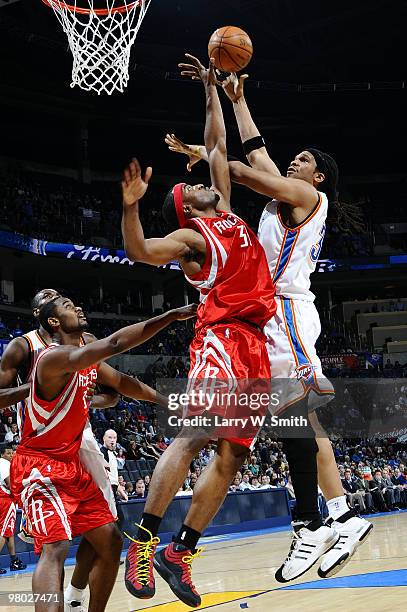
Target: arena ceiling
{"points": [[333, 70]]}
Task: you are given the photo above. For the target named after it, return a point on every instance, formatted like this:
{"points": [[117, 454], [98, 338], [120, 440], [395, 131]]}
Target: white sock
{"points": [[337, 506], [71, 593]]}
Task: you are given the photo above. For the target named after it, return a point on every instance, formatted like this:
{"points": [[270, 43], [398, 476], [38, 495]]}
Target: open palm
{"points": [[134, 186]]}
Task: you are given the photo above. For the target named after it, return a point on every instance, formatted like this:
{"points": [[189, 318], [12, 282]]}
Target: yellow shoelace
{"points": [[187, 559], [144, 552]]}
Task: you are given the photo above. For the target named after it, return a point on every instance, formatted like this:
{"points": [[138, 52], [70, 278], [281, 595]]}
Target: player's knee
{"points": [[56, 551], [191, 443], [231, 455], [114, 538]]}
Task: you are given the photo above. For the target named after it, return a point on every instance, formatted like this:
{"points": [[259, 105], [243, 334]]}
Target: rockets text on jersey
{"points": [[234, 282]]}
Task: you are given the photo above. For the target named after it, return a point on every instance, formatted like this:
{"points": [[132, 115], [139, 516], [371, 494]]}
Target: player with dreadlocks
{"points": [[291, 230]]}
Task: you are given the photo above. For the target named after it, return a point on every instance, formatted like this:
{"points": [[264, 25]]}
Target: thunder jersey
{"points": [[36, 344], [54, 428], [234, 282], [4, 473], [292, 253]]}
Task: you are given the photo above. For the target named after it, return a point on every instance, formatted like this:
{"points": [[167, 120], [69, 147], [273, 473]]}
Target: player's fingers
{"points": [[148, 174], [189, 66], [135, 165], [126, 176], [212, 68], [194, 60], [242, 78]]}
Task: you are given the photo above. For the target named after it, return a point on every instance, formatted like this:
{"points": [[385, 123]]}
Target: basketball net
{"points": [[100, 41]]}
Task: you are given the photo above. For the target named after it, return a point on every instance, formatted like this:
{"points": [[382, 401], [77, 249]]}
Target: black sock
{"points": [[13, 558], [313, 525], [150, 522], [187, 537], [302, 460]]}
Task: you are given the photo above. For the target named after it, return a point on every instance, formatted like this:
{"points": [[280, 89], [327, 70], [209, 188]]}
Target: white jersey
{"points": [[292, 253], [35, 345], [4, 473]]}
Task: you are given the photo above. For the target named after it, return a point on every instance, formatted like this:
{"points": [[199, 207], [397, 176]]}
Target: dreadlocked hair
{"points": [[348, 216]]}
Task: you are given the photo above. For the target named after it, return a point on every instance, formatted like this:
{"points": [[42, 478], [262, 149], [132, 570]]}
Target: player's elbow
{"points": [[116, 344], [218, 147], [133, 253], [221, 145]]}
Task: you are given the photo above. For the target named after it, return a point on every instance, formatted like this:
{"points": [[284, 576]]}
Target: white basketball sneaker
{"points": [[353, 530], [306, 548], [74, 605]]}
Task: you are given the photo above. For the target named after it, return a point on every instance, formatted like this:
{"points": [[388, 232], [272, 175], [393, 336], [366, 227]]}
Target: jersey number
{"points": [[244, 235], [316, 248]]}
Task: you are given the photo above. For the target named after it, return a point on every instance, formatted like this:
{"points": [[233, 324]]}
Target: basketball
{"points": [[231, 48]]}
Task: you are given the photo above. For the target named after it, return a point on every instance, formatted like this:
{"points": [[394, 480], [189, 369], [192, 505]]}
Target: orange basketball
{"points": [[231, 48]]}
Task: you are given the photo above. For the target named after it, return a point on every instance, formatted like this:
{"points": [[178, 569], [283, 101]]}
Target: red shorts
{"points": [[59, 498], [231, 357], [7, 515]]}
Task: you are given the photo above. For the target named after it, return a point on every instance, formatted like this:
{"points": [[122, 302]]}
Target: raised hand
{"points": [[192, 151], [133, 185], [197, 71], [233, 86]]}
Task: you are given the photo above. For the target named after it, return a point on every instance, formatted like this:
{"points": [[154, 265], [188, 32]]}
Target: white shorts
{"points": [[292, 334]]}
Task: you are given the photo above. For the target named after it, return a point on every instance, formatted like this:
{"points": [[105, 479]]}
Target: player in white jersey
{"points": [[291, 231]]}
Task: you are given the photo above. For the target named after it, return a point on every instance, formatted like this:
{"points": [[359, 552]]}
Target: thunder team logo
{"points": [[305, 372]]}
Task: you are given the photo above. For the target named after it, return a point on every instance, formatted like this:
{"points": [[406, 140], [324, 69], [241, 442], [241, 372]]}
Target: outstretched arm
{"points": [[155, 251], [128, 386], [259, 158], [295, 192], [67, 359], [15, 354], [104, 397], [292, 191], [215, 131]]}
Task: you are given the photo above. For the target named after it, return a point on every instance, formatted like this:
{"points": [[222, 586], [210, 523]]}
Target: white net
{"points": [[100, 40]]}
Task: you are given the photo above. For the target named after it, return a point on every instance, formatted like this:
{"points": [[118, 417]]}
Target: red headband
{"points": [[179, 205]]}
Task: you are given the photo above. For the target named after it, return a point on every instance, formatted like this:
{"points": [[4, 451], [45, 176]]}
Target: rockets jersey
{"points": [[54, 428], [36, 344], [234, 282], [292, 253]]}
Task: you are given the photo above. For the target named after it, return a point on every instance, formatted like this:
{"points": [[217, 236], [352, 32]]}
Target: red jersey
{"points": [[235, 281], [54, 428]]}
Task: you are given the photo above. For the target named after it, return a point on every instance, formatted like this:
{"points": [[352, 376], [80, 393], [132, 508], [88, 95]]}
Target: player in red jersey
{"points": [[16, 367], [7, 512], [59, 497], [223, 259]]}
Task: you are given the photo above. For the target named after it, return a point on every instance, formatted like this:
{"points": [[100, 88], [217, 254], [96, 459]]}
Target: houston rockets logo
{"points": [[38, 516], [305, 372]]}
